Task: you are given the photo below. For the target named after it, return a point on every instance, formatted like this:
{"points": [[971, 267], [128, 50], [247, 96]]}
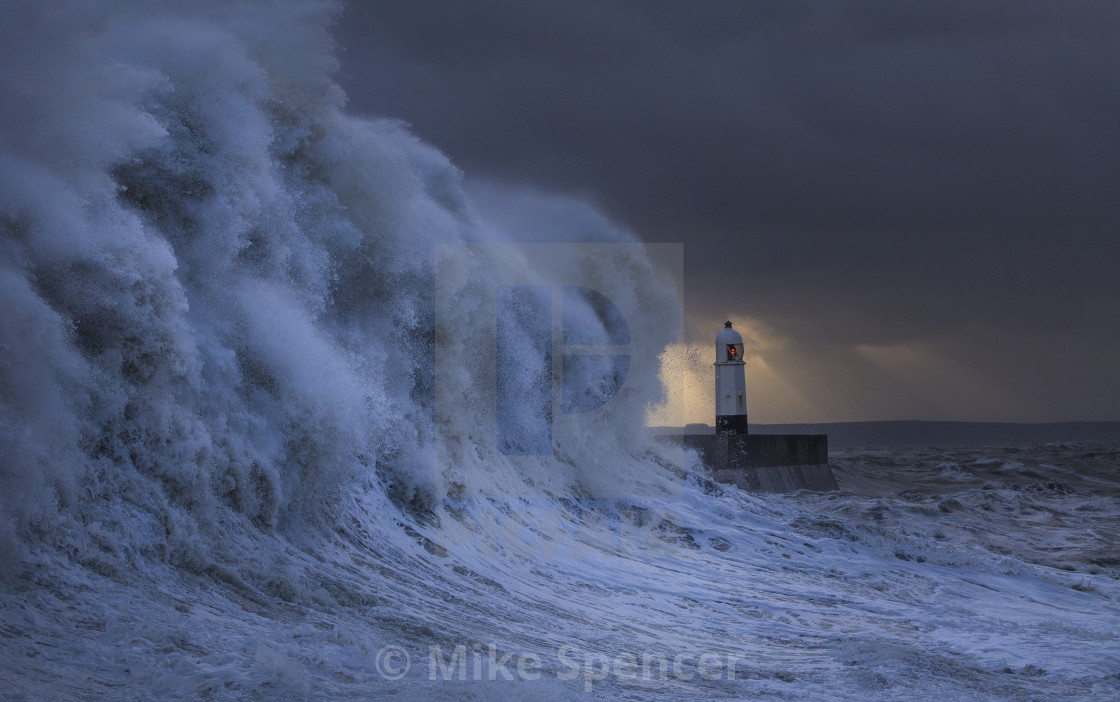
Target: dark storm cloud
{"points": [[857, 172]]}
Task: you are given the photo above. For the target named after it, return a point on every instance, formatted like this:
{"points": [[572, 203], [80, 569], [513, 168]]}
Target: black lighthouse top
{"points": [[727, 325]]}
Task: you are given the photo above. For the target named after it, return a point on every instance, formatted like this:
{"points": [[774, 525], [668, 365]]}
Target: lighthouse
{"points": [[731, 387], [754, 462]]}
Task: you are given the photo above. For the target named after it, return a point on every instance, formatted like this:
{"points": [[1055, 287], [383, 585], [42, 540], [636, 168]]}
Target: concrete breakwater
{"points": [[764, 462]]}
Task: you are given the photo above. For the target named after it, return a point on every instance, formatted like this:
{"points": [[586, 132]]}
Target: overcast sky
{"points": [[910, 208]]}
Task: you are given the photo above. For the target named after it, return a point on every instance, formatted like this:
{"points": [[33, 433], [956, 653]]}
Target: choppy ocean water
{"points": [[967, 572]]}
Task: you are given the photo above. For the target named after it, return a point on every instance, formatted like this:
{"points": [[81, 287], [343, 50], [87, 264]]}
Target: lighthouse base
{"points": [[764, 462], [731, 424]]}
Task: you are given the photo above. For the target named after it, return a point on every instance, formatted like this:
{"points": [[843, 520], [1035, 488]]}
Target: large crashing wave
{"points": [[217, 285]]}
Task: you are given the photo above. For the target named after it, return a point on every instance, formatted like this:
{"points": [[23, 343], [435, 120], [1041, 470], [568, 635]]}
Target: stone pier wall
{"points": [[765, 462]]}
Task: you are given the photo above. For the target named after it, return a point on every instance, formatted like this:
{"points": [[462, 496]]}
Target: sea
{"points": [[276, 423]]}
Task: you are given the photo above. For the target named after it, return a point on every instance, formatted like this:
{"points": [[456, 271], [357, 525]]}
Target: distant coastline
{"points": [[920, 433]]}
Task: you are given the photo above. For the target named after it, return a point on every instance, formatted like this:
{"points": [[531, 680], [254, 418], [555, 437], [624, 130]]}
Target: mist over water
{"points": [[248, 442]]}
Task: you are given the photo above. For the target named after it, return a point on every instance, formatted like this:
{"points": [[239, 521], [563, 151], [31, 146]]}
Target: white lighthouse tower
{"points": [[731, 387]]}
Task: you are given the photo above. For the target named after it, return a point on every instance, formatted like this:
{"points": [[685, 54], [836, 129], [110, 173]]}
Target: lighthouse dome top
{"points": [[729, 345], [729, 335]]}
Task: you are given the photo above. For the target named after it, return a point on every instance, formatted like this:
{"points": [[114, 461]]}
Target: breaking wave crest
{"points": [[221, 283]]}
